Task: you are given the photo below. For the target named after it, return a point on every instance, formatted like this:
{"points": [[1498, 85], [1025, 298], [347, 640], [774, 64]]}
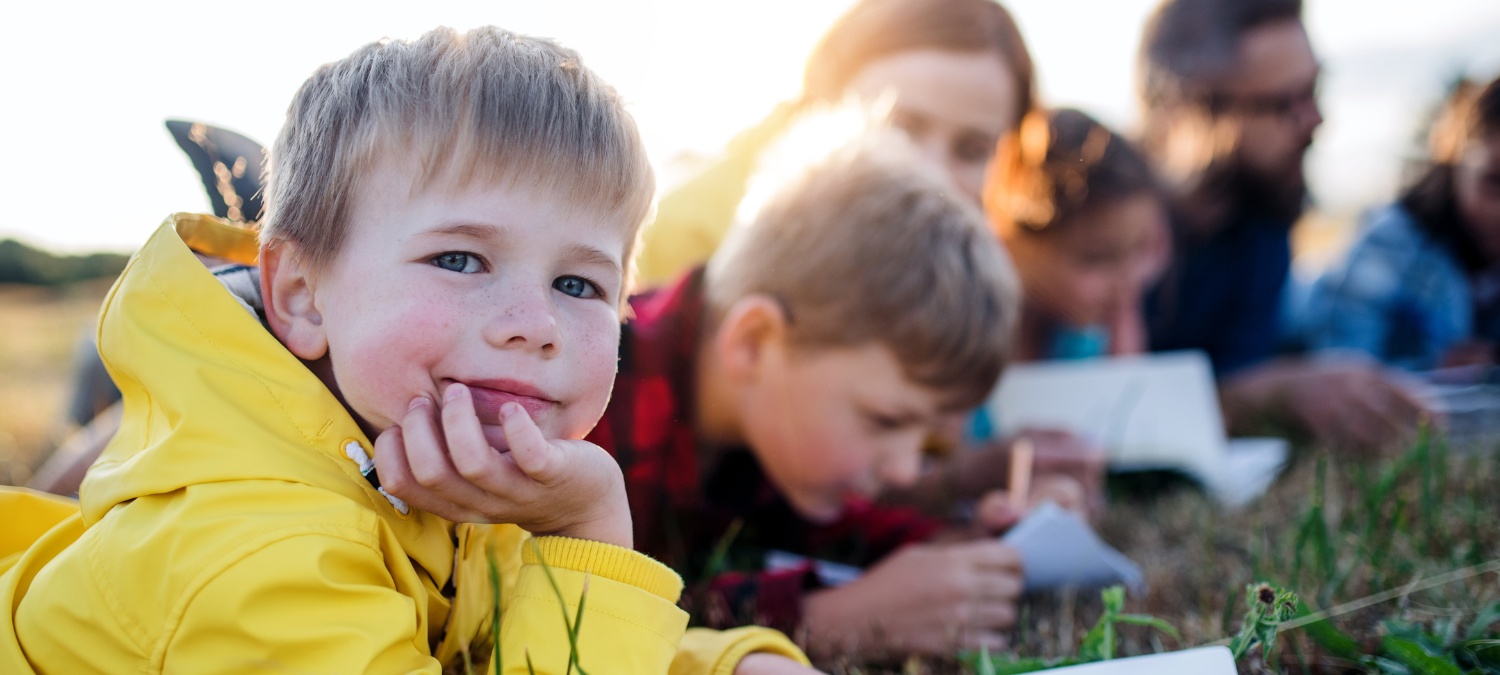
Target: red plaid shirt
{"points": [[685, 495]]}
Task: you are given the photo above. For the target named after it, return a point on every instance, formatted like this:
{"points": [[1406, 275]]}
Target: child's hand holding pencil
{"points": [[1000, 509]]}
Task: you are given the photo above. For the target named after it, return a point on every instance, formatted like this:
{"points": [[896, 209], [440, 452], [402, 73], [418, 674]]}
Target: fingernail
{"points": [[418, 401], [509, 408], [452, 392]]}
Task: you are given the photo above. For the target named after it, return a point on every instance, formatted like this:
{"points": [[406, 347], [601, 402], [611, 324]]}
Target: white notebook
{"points": [[1156, 411]]}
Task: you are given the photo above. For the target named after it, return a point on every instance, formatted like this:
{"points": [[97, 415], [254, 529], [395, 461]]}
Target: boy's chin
{"points": [[818, 510]]}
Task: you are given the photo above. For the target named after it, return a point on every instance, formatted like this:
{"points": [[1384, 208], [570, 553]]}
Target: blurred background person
{"points": [[961, 78], [1421, 287], [1229, 91], [1081, 215]]}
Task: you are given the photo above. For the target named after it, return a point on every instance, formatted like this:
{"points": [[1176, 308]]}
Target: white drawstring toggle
{"points": [[357, 453], [354, 451], [396, 502]]}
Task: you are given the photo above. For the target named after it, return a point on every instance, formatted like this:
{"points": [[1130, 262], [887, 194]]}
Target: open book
{"points": [[1150, 412]]}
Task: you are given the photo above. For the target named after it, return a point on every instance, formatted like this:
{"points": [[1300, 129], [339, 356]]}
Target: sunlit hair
{"points": [[1188, 47], [1470, 113], [1060, 164], [868, 245], [875, 29], [486, 105], [1190, 44]]}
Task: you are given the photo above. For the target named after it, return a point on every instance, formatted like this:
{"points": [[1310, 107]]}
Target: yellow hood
{"points": [[224, 529], [203, 381]]}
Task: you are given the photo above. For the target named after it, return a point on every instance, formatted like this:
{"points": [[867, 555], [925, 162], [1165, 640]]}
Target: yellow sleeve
{"points": [[692, 219], [306, 604], [712, 652], [631, 622]]}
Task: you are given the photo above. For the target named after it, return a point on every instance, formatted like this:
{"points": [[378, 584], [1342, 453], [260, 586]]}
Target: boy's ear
{"points": [[753, 325], [287, 289]]}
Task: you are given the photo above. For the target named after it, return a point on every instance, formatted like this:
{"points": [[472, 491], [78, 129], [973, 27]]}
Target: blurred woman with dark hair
{"points": [[1421, 287], [1084, 220], [961, 79]]}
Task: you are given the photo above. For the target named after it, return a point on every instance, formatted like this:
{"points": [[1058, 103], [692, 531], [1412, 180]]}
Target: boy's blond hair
{"points": [[486, 105], [869, 245]]}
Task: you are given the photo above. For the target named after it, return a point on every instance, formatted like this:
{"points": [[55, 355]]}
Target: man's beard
{"points": [[1249, 192], [1282, 197]]}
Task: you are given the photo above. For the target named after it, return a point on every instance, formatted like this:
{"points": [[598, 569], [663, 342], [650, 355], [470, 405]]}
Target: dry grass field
{"points": [[40, 329]]}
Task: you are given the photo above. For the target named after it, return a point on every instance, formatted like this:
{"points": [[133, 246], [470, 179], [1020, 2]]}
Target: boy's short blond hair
{"points": [[869, 245], [483, 105]]}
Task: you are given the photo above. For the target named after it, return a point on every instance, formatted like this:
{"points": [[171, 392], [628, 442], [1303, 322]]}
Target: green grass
{"points": [[1394, 564]]}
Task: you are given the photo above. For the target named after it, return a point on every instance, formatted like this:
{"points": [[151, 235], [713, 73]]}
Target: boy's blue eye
{"points": [[577, 287], [463, 263]]}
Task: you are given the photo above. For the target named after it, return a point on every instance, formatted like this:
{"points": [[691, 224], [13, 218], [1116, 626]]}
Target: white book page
{"points": [[1157, 411], [1201, 661]]}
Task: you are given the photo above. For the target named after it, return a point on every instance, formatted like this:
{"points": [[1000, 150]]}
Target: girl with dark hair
{"points": [[961, 79], [1421, 287], [1080, 212]]}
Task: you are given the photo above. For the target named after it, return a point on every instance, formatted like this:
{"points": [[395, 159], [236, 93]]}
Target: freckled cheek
{"points": [[385, 355], [590, 366]]}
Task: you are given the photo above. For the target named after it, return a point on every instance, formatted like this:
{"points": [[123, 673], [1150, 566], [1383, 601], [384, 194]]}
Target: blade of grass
{"points": [[495, 613], [572, 628]]}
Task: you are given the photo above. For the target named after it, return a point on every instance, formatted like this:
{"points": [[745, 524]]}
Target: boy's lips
{"points": [[489, 395]]}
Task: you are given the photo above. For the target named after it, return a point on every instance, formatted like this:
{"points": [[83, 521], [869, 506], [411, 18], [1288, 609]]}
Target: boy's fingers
{"points": [[998, 589], [1060, 490], [986, 615], [438, 487], [975, 640], [994, 556], [994, 511], [396, 477], [425, 450], [468, 449], [531, 452], [390, 463]]}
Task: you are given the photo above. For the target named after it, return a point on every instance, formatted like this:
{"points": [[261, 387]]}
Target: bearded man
{"points": [[1229, 91]]}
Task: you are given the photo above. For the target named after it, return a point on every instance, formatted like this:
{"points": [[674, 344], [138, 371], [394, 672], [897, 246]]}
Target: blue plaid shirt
{"points": [[1402, 296]]}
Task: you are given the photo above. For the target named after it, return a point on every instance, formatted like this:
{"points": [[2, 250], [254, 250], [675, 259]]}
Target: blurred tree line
{"points": [[22, 264]]}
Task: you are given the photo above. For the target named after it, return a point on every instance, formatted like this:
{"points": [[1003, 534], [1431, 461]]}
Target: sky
{"points": [[89, 165]]}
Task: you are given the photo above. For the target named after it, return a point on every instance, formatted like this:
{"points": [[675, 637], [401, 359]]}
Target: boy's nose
{"points": [[902, 467], [529, 323]]}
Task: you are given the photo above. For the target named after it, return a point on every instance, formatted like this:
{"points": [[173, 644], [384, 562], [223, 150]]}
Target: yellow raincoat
{"points": [[226, 528]]}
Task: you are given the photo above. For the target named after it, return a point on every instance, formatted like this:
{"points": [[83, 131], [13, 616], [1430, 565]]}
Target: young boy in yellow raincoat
{"points": [[440, 273]]}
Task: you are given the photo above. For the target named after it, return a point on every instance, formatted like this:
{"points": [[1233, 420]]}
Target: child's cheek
{"points": [[593, 373], [391, 357]]}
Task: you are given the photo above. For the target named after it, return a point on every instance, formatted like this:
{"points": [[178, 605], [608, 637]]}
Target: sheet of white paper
{"points": [[1150, 412], [1252, 465], [1469, 414], [1201, 661], [1058, 548], [829, 573]]}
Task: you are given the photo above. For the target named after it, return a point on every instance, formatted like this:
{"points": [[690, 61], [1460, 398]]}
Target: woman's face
{"points": [[1477, 185], [955, 106]]}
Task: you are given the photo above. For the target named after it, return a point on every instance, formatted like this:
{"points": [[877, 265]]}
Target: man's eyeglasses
{"points": [[1284, 105]]}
